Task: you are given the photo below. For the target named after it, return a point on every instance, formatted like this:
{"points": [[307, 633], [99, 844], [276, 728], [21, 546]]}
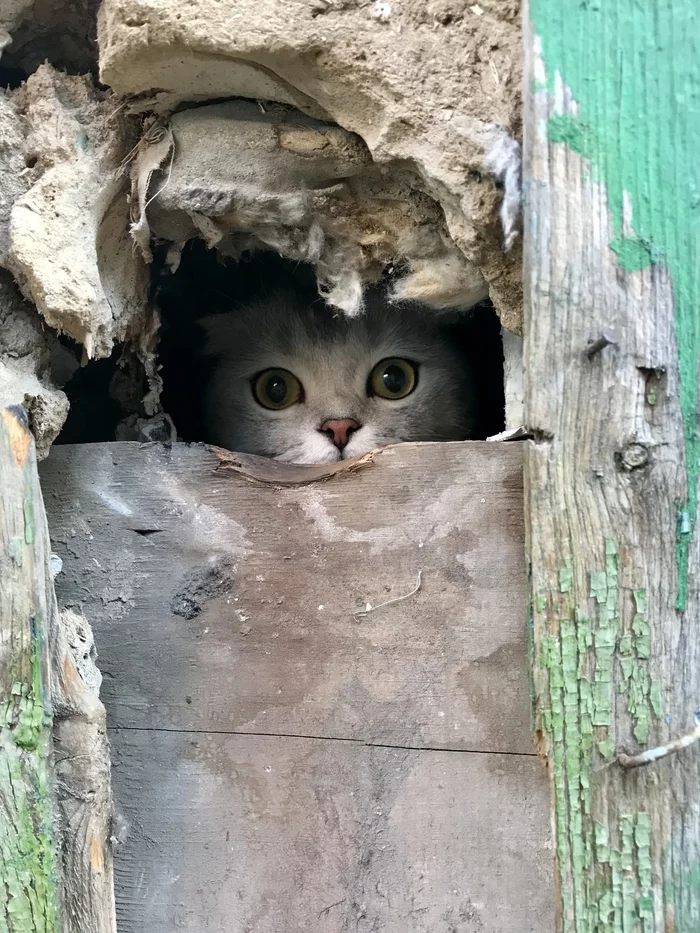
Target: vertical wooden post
{"points": [[612, 262], [55, 810], [29, 874]]}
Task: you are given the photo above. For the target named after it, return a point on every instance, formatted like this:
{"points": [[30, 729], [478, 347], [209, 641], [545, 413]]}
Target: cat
{"points": [[291, 381]]}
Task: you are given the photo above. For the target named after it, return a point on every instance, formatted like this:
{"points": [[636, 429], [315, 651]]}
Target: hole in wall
{"points": [[106, 395], [204, 285], [326, 205], [64, 34]]}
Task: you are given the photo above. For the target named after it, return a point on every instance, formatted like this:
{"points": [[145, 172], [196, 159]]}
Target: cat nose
{"points": [[339, 430]]}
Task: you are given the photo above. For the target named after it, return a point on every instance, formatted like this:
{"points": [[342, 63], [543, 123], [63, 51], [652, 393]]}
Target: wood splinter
{"points": [[654, 754]]}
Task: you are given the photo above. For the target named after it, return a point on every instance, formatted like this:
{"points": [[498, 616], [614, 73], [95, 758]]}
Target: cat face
{"points": [[291, 381]]}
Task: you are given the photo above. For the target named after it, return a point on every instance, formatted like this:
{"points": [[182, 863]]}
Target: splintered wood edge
{"points": [[277, 473], [264, 470]]}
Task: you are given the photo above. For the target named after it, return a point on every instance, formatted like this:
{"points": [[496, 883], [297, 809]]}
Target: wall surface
{"points": [[428, 93]]}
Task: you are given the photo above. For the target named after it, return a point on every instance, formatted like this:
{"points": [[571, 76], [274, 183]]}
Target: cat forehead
{"points": [[284, 326]]}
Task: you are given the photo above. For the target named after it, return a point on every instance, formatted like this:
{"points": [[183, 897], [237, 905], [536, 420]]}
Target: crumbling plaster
{"points": [[430, 87], [421, 170]]}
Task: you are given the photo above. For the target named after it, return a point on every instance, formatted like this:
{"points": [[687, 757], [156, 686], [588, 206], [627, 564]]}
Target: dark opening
{"points": [[204, 284], [106, 395], [12, 77]]}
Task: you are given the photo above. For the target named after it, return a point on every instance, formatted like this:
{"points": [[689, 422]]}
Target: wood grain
{"points": [[265, 834], [617, 660], [285, 764], [55, 804], [147, 536]]}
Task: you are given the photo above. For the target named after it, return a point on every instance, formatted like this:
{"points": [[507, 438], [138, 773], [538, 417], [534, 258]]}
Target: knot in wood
{"points": [[633, 457]]}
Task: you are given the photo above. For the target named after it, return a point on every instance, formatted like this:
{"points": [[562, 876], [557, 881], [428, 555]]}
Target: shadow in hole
{"points": [[203, 285]]}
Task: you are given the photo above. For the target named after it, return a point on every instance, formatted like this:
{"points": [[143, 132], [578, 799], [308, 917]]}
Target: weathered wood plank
{"points": [[269, 834], [30, 892], [286, 763], [55, 803], [82, 773], [149, 537], [612, 127]]}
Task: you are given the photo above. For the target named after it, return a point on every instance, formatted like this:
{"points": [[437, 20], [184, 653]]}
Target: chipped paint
{"points": [[682, 894], [29, 894], [646, 157], [586, 654]]}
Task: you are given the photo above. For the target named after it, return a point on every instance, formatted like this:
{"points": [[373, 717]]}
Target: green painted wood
{"points": [[29, 893], [612, 182]]}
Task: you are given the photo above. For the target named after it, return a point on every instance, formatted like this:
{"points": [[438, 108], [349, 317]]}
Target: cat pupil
{"points": [[394, 378], [276, 389]]}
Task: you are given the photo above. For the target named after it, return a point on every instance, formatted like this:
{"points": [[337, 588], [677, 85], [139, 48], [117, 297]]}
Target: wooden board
{"points": [[612, 357], [343, 753], [270, 834], [55, 802]]}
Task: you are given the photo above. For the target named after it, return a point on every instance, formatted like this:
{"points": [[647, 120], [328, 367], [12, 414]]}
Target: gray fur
{"points": [[332, 357]]}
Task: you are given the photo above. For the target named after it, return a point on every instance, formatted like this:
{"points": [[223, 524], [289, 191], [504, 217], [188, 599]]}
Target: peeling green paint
{"points": [[633, 254], [565, 577], [29, 893], [29, 730], [577, 135], [584, 633], [638, 702], [599, 586], [604, 590], [642, 840], [604, 872], [643, 695], [17, 550], [640, 626], [602, 846], [635, 80]]}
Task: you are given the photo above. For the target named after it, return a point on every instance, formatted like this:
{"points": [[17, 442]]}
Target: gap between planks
{"points": [[322, 738]]}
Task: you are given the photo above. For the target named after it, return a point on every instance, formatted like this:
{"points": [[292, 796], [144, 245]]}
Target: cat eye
{"points": [[276, 389], [393, 378]]}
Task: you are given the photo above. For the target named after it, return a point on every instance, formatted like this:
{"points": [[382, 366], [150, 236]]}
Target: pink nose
{"points": [[339, 431]]}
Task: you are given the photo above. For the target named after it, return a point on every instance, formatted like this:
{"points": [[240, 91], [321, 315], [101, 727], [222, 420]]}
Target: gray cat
{"points": [[291, 381]]}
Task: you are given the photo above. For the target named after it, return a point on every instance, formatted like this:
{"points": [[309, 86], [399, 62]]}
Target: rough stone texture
{"points": [[68, 243], [25, 346], [430, 87], [15, 174], [25, 350], [64, 236], [244, 176]]}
